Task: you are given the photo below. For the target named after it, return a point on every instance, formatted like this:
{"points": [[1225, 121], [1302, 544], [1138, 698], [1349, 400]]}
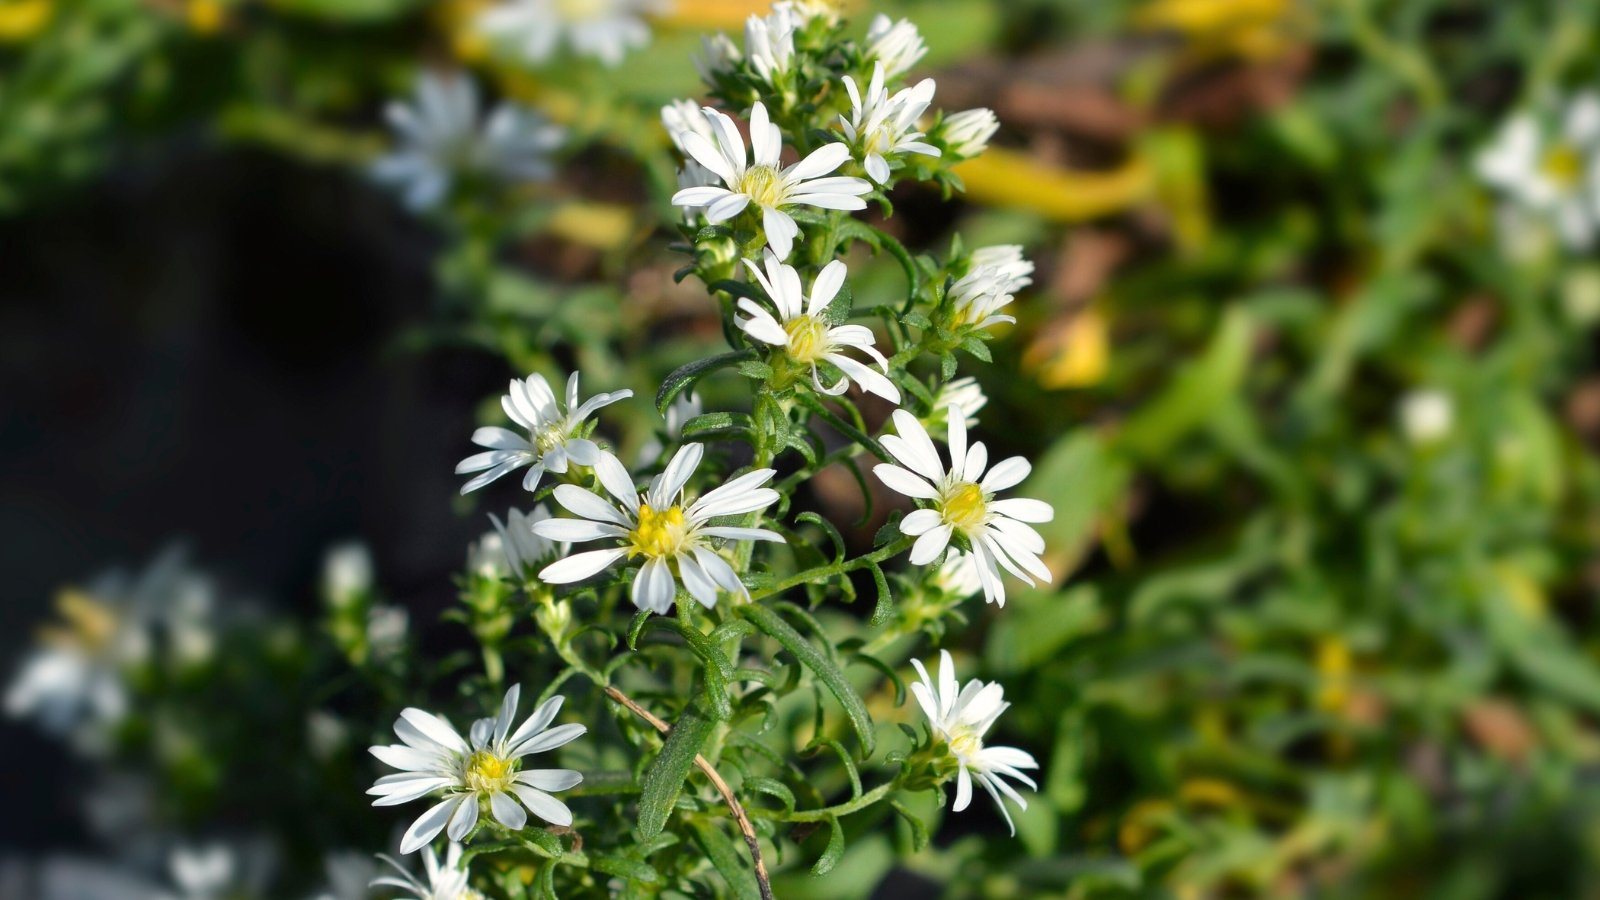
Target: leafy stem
{"points": [[827, 812], [820, 573]]}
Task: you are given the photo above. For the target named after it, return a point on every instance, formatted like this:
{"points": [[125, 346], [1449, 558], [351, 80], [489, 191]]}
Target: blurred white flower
{"points": [[1426, 415], [674, 537], [681, 117], [204, 872], [963, 395], [803, 332], [447, 880], [522, 547], [556, 434], [326, 734], [960, 717], [1554, 174], [718, 55], [1012, 271], [898, 45], [962, 502], [441, 140], [346, 574], [602, 29], [485, 771], [386, 630], [486, 557], [763, 184], [880, 126], [769, 43], [684, 407], [807, 11], [967, 133], [76, 878], [958, 574], [349, 875]]}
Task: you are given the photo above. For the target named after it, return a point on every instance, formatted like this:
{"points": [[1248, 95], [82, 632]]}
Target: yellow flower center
{"points": [[762, 185], [964, 506], [807, 338], [488, 773], [965, 744], [1562, 165], [550, 438], [658, 533]]}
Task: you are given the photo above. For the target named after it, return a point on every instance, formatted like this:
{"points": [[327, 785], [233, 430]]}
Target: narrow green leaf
{"points": [[820, 665], [772, 787], [663, 779], [832, 532], [845, 428], [630, 869], [919, 830], [725, 857], [834, 851], [684, 377], [885, 607]]}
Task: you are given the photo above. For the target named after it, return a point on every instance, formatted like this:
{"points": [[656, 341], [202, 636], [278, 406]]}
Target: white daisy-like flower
{"points": [[471, 773], [964, 395], [1010, 269], [1557, 175], [523, 548], [961, 716], [442, 137], [898, 45], [674, 537], [962, 502], [769, 43], [683, 407], [978, 296], [718, 56], [967, 133], [802, 330], [602, 29], [348, 876], [761, 182], [880, 126], [556, 434], [447, 879]]}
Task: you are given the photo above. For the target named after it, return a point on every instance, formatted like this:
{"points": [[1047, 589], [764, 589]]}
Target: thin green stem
{"points": [[828, 571]]}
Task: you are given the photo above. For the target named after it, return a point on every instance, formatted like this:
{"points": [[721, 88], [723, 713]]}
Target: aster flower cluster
{"points": [[701, 540]]}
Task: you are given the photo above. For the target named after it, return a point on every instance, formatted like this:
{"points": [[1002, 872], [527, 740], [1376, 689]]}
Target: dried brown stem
{"points": [[763, 881]]}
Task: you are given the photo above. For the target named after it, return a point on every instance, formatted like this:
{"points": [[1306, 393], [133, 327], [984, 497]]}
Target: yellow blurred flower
{"points": [[456, 19], [205, 16], [602, 226], [1071, 352], [90, 624], [1248, 29], [1002, 177], [1333, 674], [701, 15], [22, 19]]}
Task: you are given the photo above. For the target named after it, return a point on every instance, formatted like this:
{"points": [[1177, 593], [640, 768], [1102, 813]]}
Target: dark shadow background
{"points": [[206, 350]]}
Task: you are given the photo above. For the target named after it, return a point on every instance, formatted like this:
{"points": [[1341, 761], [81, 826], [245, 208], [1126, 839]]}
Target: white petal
{"points": [[930, 545], [1006, 473], [781, 231], [1024, 510], [919, 522], [618, 483], [584, 503], [654, 588], [465, 817], [428, 825], [543, 805], [507, 811], [550, 779], [904, 482], [579, 566]]}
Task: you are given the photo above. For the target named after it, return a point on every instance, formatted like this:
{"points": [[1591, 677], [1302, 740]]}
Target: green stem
{"points": [[832, 569], [828, 812]]}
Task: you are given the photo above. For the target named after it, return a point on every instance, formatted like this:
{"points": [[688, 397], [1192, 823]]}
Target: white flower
{"points": [[1426, 416], [769, 43], [989, 286], [964, 395], [960, 716], [346, 574], [958, 574], [523, 548], [440, 139], [803, 332], [897, 45], [386, 630], [963, 503], [486, 557], [675, 537], [763, 184], [446, 880], [966, 134], [485, 770], [684, 407], [718, 55], [77, 678], [880, 125], [555, 435], [203, 872], [682, 117], [1557, 176], [603, 29], [1006, 264]]}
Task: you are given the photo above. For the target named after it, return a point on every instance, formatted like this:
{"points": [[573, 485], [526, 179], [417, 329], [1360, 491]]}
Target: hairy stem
{"points": [[734, 806]]}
